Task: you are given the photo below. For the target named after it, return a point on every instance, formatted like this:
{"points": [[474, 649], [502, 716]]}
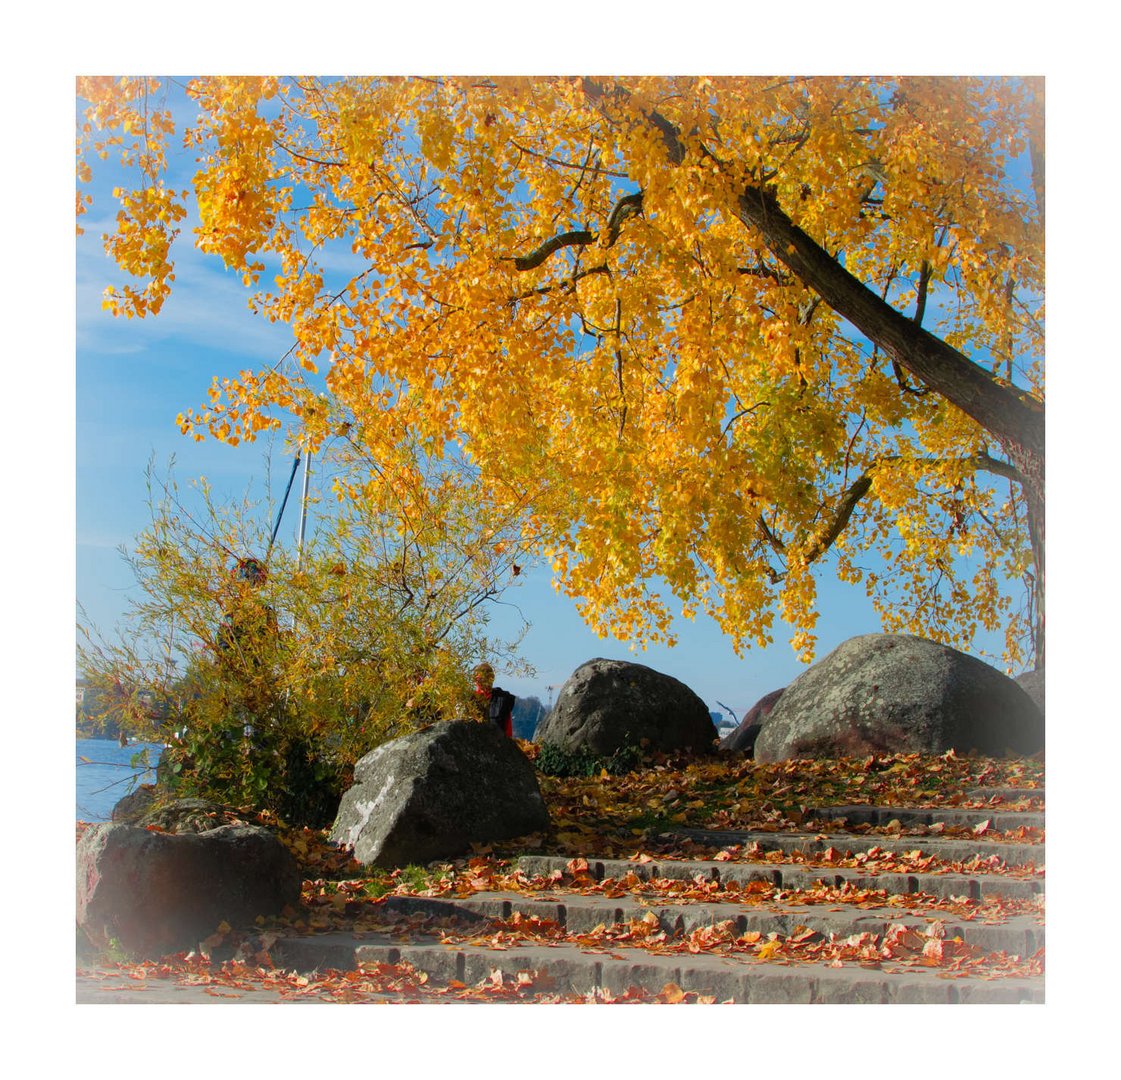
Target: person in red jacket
{"points": [[494, 703]]}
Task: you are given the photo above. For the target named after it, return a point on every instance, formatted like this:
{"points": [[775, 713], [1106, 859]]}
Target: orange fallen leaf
{"points": [[803, 934], [672, 993]]}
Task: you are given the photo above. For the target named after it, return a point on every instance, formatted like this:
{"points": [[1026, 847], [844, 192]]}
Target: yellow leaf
{"points": [[768, 949]]}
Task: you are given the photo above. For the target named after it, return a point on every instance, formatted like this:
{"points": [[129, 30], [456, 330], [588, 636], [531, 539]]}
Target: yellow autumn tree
{"points": [[715, 333], [269, 672]]}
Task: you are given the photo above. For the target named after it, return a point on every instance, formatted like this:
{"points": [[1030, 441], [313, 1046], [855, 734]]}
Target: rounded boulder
{"points": [[432, 794], [896, 693], [1034, 684], [744, 737], [607, 705], [154, 892]]}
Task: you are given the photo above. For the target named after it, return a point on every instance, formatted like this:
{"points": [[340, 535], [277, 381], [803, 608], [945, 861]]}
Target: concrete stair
{"points": [[772, 920]]}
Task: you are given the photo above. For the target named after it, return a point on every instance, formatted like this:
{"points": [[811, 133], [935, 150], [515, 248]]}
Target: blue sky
{"points": [[134, 376], [132, 379]]}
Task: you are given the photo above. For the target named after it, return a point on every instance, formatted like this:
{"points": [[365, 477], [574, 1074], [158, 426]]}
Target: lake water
{"points": [[105, 776]]}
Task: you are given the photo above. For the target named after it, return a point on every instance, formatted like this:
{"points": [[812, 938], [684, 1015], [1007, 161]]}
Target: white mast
{"points": [[303, 513]]}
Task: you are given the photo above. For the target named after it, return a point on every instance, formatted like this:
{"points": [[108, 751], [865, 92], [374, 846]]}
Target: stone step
{"points": [[786, 876], [1020, 935], [571, 969], [604, 964], [949, 849], [1008, 794], [923, 815]]}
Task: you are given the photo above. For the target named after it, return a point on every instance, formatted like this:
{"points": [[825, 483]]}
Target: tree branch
{"points": [[924, 286], [987, 463], [576, 237], [1012, 416], [772, 540], [567, 283], [841, 518], [627, 207], [567, 164], [619, 366], [1004, 411], [859, 488]]}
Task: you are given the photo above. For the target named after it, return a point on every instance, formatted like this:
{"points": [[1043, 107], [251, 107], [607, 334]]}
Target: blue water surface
{"points": [[104, 775]]}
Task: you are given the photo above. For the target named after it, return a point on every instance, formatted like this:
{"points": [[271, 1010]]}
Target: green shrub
{"points": [[269, 678], [555, 760]]}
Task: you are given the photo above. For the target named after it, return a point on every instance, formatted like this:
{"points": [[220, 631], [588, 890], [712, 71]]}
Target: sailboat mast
{"points": [[303, 513]]}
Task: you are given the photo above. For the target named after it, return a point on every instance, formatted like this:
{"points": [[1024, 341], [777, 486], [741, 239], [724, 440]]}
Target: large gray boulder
{"points": [[1034, 684], [432, 794], [744, 737], [608, 704], [894, 693], [156, 892]]}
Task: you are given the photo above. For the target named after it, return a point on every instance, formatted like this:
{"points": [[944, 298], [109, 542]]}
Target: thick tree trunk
{"points": [[1032, 471], [1015, 420]]}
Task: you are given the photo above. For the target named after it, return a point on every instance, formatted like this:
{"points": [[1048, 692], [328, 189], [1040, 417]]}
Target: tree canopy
{"points": [[713, 333]]}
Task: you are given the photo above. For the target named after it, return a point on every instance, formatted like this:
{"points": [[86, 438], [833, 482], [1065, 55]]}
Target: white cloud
{"points": [[207, 308]]}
